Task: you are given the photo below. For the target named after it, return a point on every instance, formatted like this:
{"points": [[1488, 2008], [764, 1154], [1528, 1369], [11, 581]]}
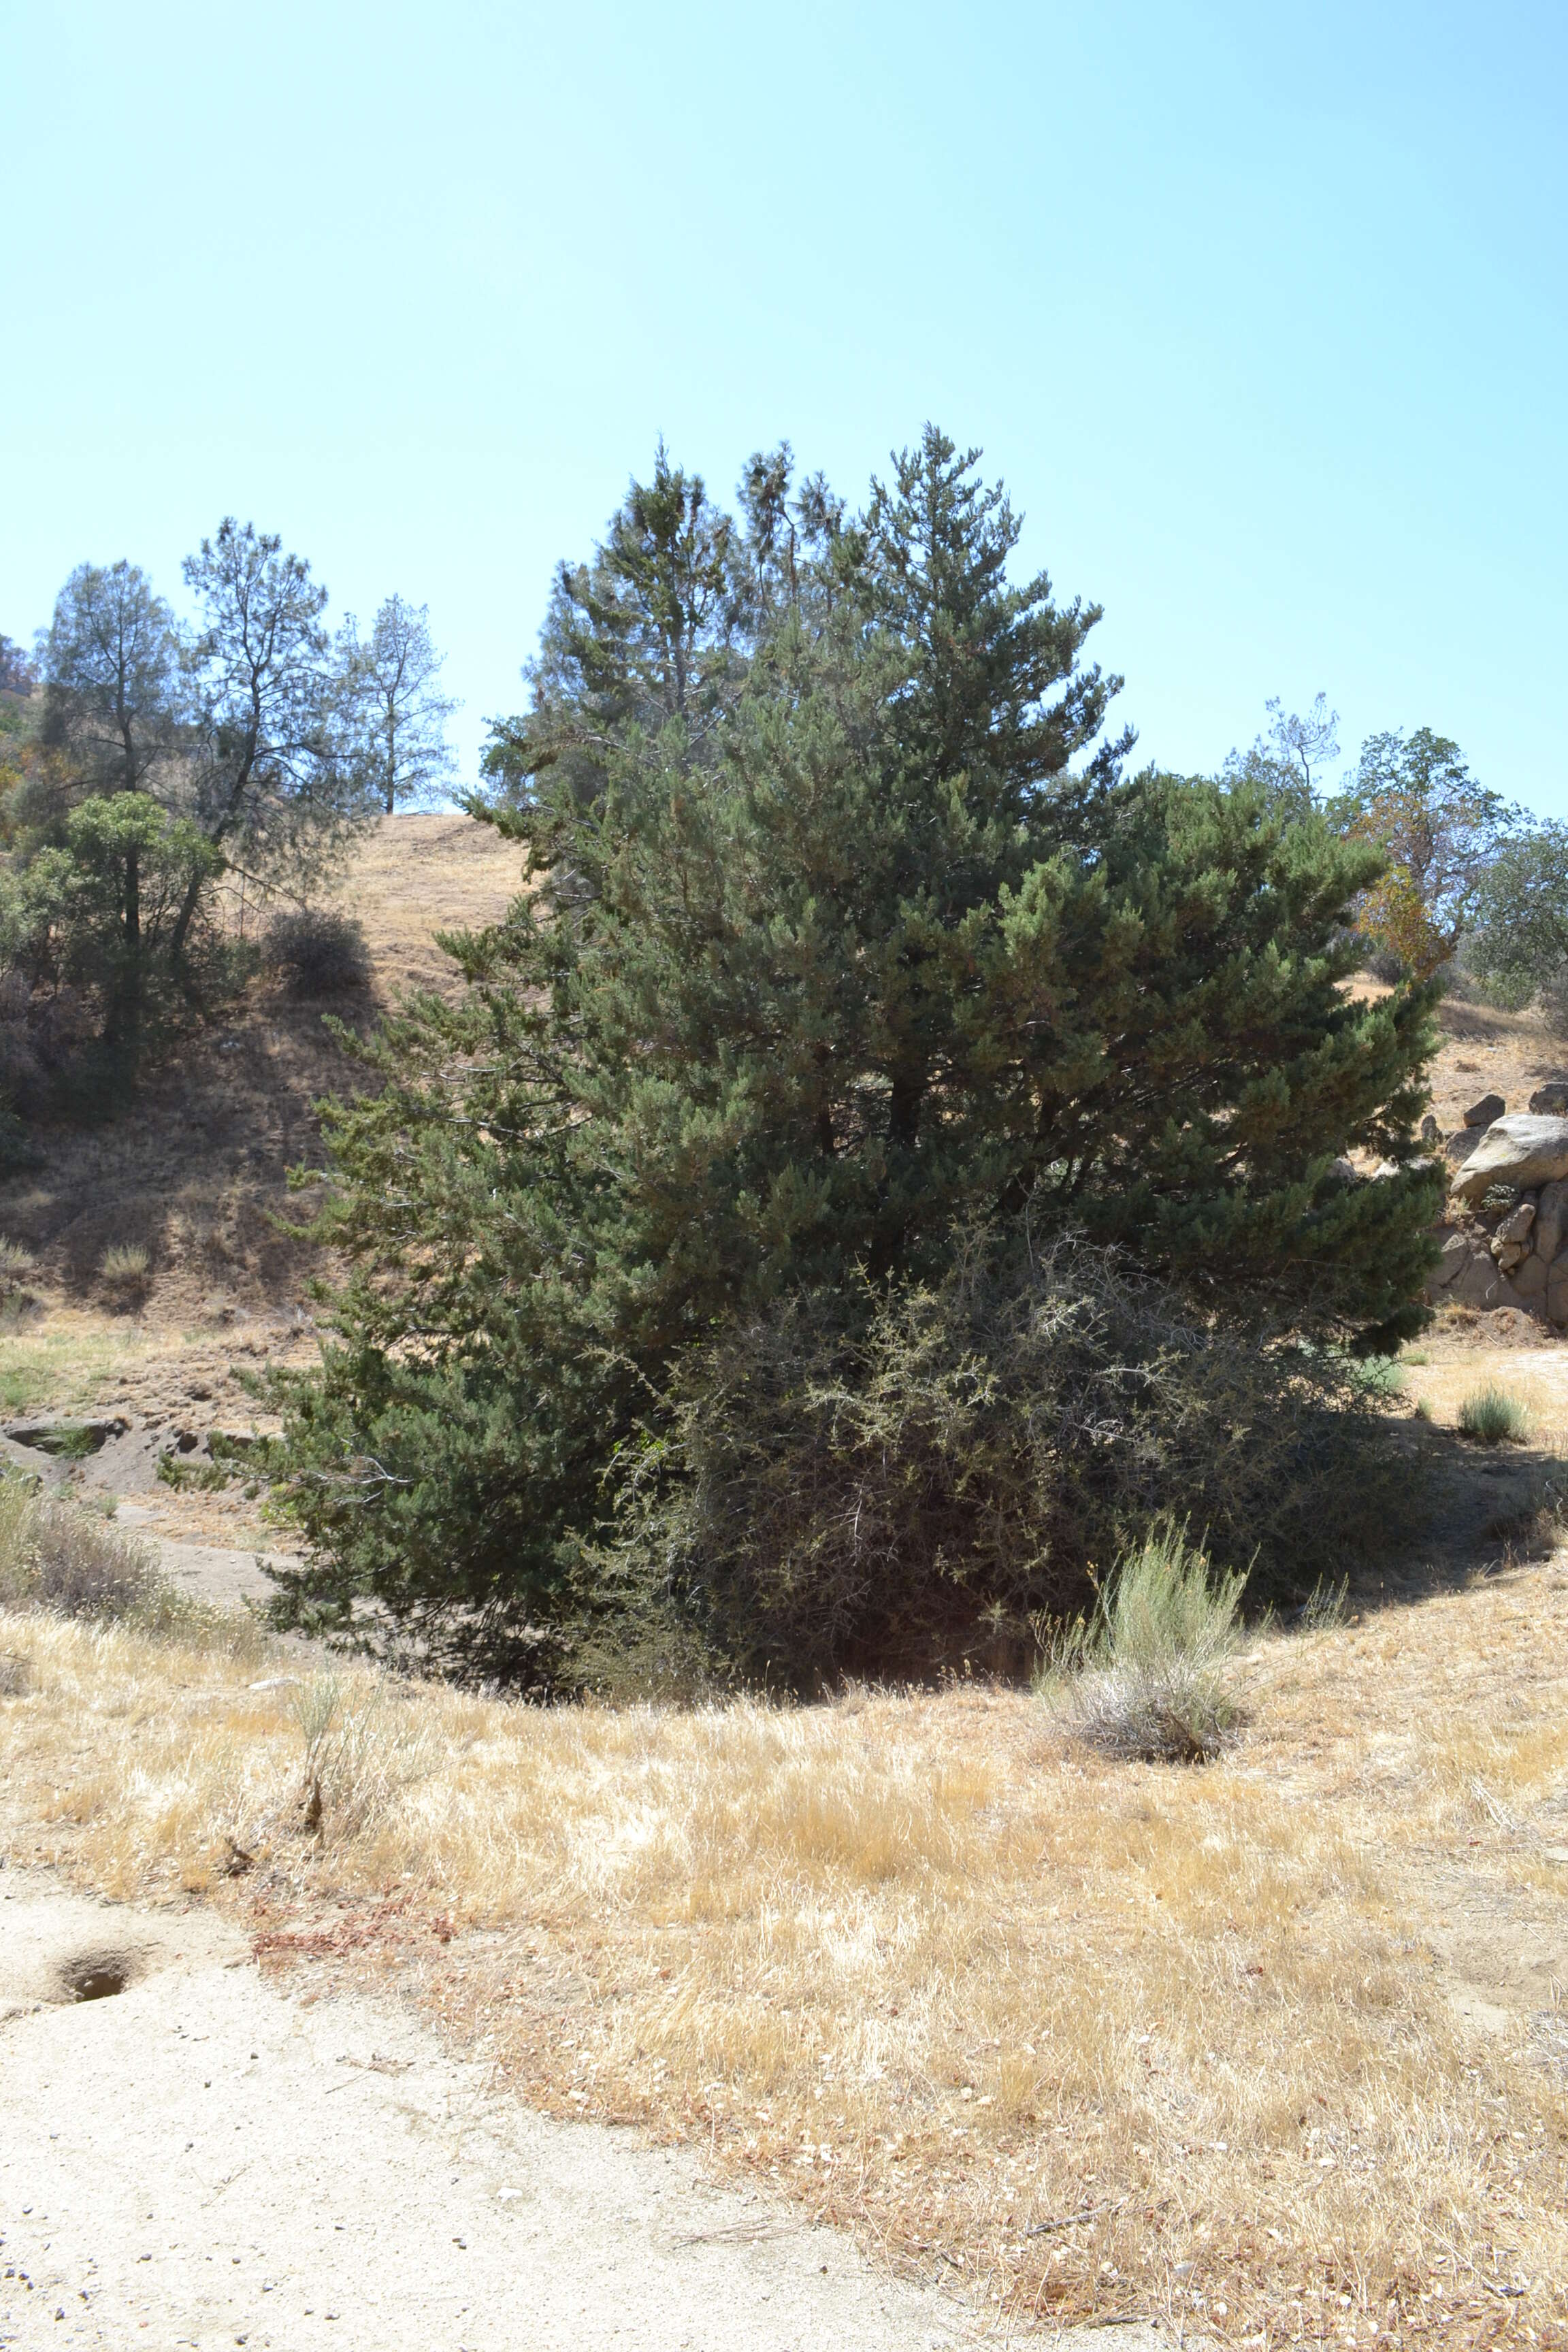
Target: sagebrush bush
{"points": [[1493, 1417], [316, 951], [1147, 1685], [887, 1490], [54, 1556]]}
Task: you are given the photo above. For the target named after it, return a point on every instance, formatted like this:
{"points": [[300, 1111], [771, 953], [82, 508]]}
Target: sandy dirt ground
{"points": [[202, 2160]]}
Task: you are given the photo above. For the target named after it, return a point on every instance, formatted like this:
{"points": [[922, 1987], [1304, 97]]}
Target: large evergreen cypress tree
{"points": [[840, 932]]}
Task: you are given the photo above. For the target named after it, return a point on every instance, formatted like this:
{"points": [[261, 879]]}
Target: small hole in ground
{"points": [[96, 1977]]}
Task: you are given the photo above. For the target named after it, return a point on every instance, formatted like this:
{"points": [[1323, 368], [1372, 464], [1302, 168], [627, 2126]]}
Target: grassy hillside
{"points": [[195, 1174]]}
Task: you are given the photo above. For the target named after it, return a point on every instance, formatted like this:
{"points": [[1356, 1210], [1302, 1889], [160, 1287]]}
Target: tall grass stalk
{"points": [[363, 1748]]}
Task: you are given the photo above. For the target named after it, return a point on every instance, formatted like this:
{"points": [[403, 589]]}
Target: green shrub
{"points": [[1493, 1417], [17, 1262], [1148, 1685]]}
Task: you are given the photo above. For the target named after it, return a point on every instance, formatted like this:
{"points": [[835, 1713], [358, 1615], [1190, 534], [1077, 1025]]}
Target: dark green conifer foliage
{"points": [[841, 933]]}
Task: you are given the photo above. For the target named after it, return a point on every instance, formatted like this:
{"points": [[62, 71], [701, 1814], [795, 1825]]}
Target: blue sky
{"points": [[1258, 311]]}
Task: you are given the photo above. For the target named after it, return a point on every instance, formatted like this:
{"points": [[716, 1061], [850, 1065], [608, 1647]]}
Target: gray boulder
{"points": [[1531, 1279], [1481, 1114], [1516, 1225], [1551, 1101], [1518, 1151], [1551, 1219], [1462, 1142], [1480, 1284], [1557, 1292], [1457, 1255]]}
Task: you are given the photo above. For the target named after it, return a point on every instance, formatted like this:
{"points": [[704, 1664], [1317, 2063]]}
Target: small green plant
{"points": [[1141, 1680], [125, 1264], [1493, 1417], [192, 1477], [1379, 1376], [70, 1444]]}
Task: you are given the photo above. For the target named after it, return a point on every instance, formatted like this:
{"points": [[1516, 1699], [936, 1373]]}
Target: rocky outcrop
{"points": [[1481, 1114], [1519, 1153], [1505, 1237], [1551, 1101], [1514, 1255]]}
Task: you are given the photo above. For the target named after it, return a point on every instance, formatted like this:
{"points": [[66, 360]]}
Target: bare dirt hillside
{"points": [[1486, 1051]]}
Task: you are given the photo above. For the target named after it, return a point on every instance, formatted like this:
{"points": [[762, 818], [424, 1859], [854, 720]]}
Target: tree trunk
{"points": [[184, 918], [125, 1022], [904, 1108]]}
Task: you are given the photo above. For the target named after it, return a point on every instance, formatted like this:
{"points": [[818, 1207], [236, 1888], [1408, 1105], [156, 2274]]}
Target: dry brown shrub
{"points": [[896, 1483], [317, 952]]}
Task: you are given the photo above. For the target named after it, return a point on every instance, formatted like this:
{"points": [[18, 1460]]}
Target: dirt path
{"points": [[202, 2160], [221, 1573]]}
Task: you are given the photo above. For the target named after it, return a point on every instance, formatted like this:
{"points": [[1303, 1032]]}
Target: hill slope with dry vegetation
{"points": [[1274, 2049]]}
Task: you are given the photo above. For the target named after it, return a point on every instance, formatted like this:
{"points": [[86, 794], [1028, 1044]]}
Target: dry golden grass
{"points": [[1449, 1370], [1483, 1050], [75, 1357], [1282, 2034]]}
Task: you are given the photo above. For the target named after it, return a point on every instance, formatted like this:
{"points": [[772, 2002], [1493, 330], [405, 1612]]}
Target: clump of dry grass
{"points": [[940, 1973], [125, 1265], [362, 1750], [16, 1262]]}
